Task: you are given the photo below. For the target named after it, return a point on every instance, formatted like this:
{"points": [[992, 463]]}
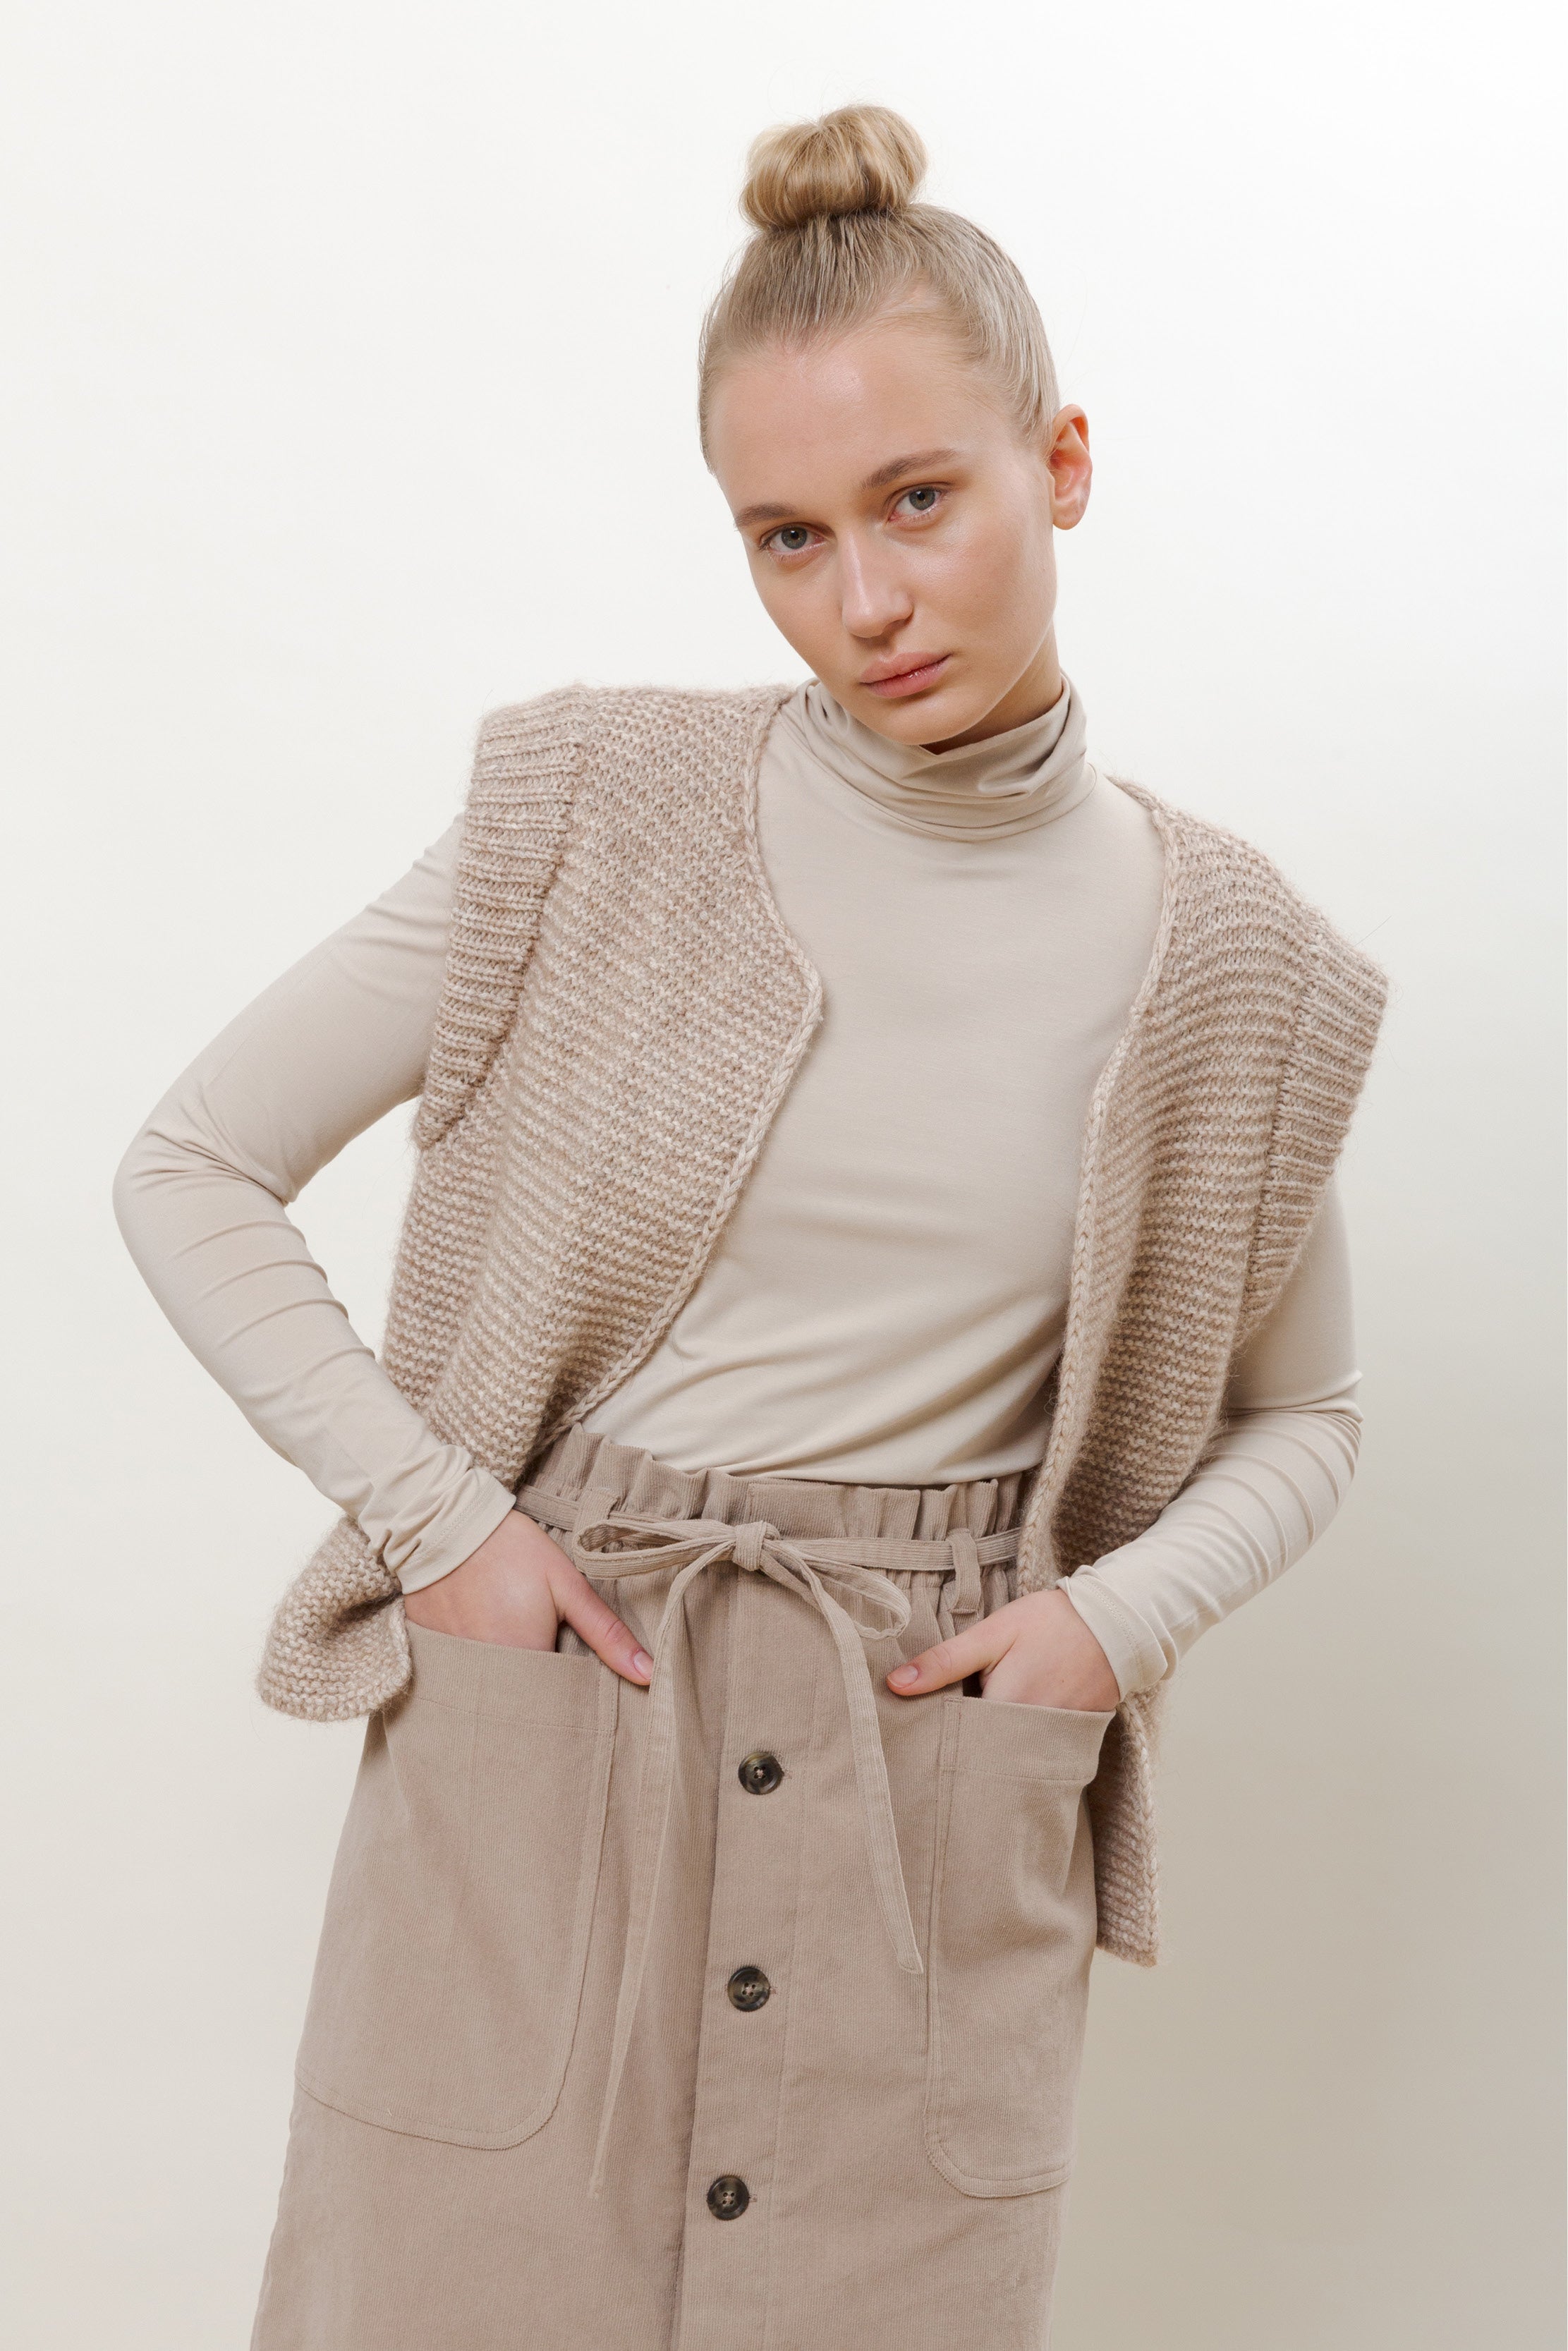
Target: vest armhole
{"points": [[527, 761], [1336, 1025]]}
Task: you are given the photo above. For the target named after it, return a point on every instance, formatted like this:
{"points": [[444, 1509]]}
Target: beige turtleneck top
{"points": [[888, 1298], [890, 1294]]}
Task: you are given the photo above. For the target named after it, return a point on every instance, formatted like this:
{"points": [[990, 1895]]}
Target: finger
{"points": [[966, 1653], [606, 1635]]}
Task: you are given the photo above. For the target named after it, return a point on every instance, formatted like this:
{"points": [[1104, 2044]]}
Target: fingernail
{"points": [[904, 1675], [643, 1663]]}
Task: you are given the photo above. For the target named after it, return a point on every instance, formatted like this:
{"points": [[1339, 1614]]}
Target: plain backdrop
{"points": [[350, 393]]}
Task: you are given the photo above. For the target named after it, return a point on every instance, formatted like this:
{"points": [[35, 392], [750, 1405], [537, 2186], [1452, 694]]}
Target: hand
{"points": [[1037, 1651], [515, 1590]]}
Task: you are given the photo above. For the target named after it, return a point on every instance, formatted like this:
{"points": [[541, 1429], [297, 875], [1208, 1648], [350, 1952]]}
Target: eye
{"points": [[921, 501], [790, 538]]}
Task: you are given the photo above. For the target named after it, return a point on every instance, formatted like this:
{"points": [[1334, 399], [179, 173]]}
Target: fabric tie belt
{"points": [[837, 1575]]}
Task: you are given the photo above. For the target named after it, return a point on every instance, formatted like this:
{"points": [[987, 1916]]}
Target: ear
{"points": [[1072, 468]]}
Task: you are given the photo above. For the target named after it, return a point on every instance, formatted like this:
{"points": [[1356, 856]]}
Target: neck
{"points": [[1036, 690]]}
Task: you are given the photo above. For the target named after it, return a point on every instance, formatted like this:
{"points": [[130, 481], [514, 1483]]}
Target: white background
{"points": [[351, 393]]}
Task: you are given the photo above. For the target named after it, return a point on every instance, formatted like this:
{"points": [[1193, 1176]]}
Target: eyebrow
{"points": [[918, 460]]}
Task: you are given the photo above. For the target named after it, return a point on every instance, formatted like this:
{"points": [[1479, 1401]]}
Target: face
{"points": [[899, 529]]}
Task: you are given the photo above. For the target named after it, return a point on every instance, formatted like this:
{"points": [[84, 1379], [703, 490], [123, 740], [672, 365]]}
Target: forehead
{"points": [[798, 426]]}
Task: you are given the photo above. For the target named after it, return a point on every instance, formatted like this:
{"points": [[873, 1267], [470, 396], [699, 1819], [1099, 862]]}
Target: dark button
{"points": [[761, 1773], [729, 2196], [748, 1988]]}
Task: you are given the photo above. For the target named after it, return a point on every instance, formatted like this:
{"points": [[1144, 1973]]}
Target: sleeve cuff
{"points": [[460, 1535], [1135, 1656]]}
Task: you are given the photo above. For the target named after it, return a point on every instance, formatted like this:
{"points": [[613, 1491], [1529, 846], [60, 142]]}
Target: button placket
{"points": [[770, 1735]]}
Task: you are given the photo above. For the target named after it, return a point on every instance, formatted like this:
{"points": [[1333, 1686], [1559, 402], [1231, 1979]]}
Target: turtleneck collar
{"points": [[1010, 783]]}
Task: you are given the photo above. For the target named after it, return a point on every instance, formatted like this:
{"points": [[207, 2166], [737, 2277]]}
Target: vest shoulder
{"points": [[612, 712], [1232, 890], [620, 739]]}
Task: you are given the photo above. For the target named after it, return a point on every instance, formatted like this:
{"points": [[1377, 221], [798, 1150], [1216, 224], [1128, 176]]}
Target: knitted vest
{"points": [[621, 1013]]}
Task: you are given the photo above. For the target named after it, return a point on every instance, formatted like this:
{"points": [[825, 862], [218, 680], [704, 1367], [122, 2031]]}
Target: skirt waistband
{"points": [[804, 1510]]}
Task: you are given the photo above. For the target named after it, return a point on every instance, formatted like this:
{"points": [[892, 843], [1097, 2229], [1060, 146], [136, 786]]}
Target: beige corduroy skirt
{"points": [[741, 2014]]}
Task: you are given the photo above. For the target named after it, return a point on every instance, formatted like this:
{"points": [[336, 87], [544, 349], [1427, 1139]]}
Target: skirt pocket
{"points": [[452, 1956], [1011, 1939]]}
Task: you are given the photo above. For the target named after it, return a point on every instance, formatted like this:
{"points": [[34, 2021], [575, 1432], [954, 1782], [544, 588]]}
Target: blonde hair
{"points": [[840, 241]]}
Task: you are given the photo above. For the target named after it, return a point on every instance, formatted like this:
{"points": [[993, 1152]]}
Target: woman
{"points": [[872, 1295]]}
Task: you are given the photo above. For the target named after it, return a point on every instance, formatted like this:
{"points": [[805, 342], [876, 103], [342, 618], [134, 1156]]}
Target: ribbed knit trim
{"points": [[1341, 1010], [526, 772]]}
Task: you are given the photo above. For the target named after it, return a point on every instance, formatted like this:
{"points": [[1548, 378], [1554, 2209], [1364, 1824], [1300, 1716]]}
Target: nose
{"points": [[873, 601]]}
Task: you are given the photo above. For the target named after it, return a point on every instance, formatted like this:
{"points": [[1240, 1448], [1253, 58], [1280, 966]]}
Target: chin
{"points": [[926, 718]]}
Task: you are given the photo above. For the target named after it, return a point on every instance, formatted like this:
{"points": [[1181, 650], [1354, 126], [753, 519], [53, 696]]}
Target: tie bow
{"points": [[828, 1571]]}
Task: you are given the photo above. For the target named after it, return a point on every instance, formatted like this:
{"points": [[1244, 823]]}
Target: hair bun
{"points": [[859, 158]]}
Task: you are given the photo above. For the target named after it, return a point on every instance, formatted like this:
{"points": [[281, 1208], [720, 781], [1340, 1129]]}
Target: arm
{"points": [[202, 1197], [1269, 1487]]}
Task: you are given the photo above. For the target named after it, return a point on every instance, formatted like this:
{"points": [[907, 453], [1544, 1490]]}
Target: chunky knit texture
{"points": [[623, 1013]]}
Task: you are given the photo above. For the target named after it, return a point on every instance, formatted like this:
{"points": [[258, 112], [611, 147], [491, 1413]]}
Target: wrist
{"points": [[459, 1530], [1131, 1645], [1091, 1675]]}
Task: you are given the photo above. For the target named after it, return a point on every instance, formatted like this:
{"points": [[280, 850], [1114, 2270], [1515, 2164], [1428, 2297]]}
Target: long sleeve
{"points": [[1271, 1487], [201, 1198]]}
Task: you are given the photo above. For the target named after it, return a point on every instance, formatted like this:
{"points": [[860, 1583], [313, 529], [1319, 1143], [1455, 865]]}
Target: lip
{"points": [[912, 676]]}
